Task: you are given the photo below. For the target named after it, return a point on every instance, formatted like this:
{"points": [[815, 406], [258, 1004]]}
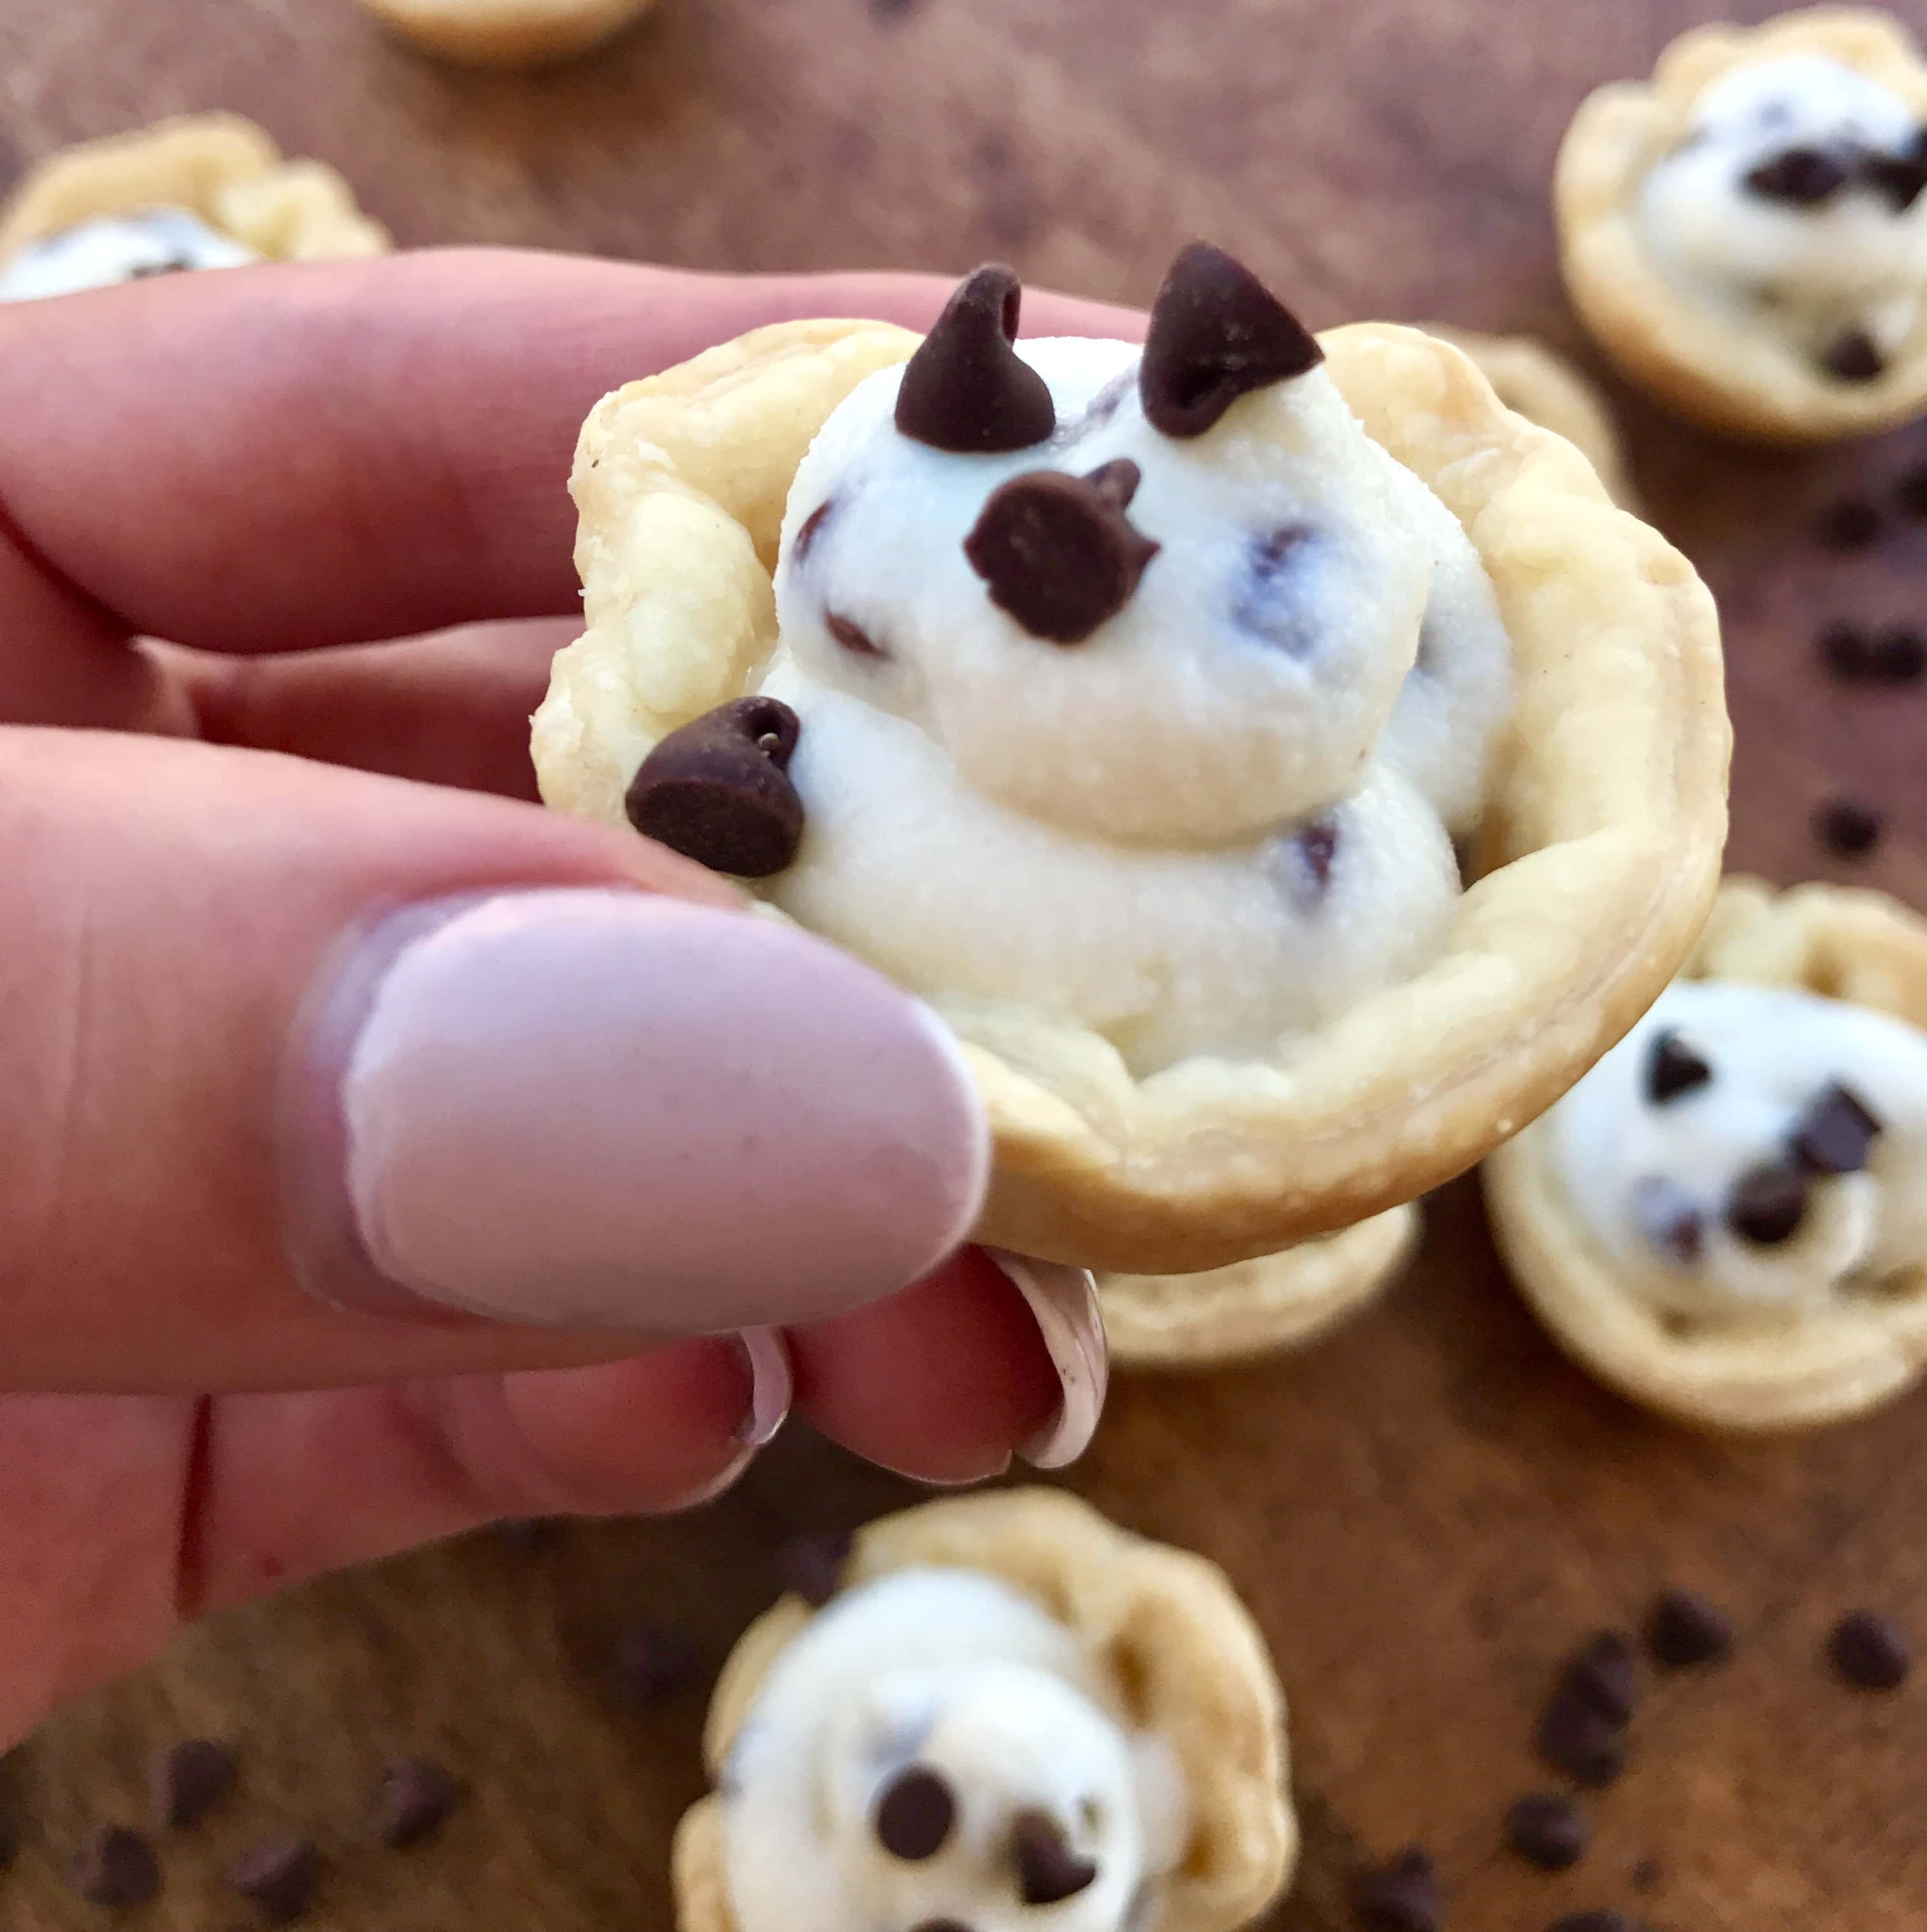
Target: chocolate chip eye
{"points": [[915, 1815], [1898, 178], [1801, 177], [1853, 356], [966, 389], [1673, 1068], [1768, 1203], [1835, 1132], [1217, 333], [1669, 1219], [716, 789], [1048, 1870]]}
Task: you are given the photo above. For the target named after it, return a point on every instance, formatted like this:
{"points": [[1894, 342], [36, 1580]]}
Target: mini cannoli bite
{"points": [[1282, 766], [1013, 1716]]}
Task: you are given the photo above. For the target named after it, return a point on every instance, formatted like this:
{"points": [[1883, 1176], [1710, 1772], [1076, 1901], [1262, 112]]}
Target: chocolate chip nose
{"points": [[1217, 333], [716, 789], [1048, 1870], [966, 389], [1835, 1131], [1059, 553], [915, 1814], [1768, 1203]]}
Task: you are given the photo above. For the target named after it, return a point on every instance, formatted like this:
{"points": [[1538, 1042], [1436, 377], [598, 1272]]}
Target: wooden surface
{"points": [[1428, 1510]]}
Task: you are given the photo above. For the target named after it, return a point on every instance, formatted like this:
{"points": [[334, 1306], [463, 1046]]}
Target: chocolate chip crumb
{"points": [[853, 637], [717, 790], [1547, 1830], [1401, 1895], [1852, 523], [1058, 553], [413, 1801], [1868, 1653], [1801, 177], [1217, 333], [1048, 1870], [650, 1663], [1768, 1203], [1910, 491], [1853, 357], [1596, 1922], [1835, 1131], [1673, 1068], [116, 1868], [189, 1779], [967, 389], [1683, 1629], [812, 1566], [280, 1876], [1846, 826], [915, 1814], [1646, 1875]]}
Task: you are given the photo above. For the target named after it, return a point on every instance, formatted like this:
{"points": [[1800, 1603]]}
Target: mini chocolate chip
{"points": [[1266, 606], [1058, 553], [717, 792], [1835, 1131], [853, 637], [1048, 1870], [1669, 1218], [413, 1801], [116, 1868], [966, 389], [1846, 652], [1576, 1738], [1217, 333], [1646, 1873], [1852, 523], [1846, 826], [649, 1662], [1768, 1203], [1852, 356], [1316, 845], [1605, 1672], [1401, 1895], [1910, 491], [280, 1876], [812, 1566], [1868, 1653], [1547, 1830], [1673, 1068], [1898, 656], [810, 529], [915, 1814], [1898, 178], [1596, 1922], [1683, 1628], [1802, 177], [189, 1779]]}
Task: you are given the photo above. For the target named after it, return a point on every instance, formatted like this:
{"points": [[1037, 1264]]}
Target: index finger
{"points": [[275, 458]]}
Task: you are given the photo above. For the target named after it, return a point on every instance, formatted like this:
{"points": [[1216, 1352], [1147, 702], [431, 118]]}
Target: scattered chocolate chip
{"points": [[1605, 1673], [1401, 1895], [1801, 177], [1645, 1874], [1217, 333], [915, 1814], [1316, 845], [852, 637], [717, 791], [1670, 1219], [1910, 491], [1673, 1068], [1852, 356], [1835, 1131], [1768, 1203], [1868, 1653], [189, 1779], [1898, 655], [413, 1801], [1596, 1922], [966, 389], [1852, 523], [1899, 179], [1846, 826], [1683, 1629], [1267, 606], [1058, 553], [812, 1566], [810, 529], [280, 1876], [649, 1662], [116, 1868], [1547, 1830], [1048, 1870]]}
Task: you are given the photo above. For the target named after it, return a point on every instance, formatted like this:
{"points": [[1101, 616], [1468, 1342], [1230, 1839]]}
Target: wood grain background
{"points": [[1427, 1511]]}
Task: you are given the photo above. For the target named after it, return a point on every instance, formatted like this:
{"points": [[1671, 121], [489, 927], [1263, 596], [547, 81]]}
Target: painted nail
{"points": [[772, 1385], [609, 1109], [1063, 1302]]}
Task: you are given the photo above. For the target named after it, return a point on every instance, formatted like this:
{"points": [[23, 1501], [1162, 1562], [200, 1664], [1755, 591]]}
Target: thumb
{"points": [[286, 1045]]}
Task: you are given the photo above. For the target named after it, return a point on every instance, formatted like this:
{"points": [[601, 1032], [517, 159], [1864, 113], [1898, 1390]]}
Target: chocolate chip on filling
{"points": [[966, 389], [915, 1814], [716, 789], [1673, 1068], [1048, 1870], [1835, 1133], [1768, 1203], [114, 248]]}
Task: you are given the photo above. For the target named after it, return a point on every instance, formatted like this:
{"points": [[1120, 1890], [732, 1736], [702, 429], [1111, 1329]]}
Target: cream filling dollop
{"points": [[952, 1682], [1809, 271], [117, 248], [1654, 1176], [1221, 817]]}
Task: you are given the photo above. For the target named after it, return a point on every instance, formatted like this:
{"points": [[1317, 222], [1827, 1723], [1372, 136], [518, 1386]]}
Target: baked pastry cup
{"points": [[1542, 386], [222, 170], [1175, 1659], [1724, 363], [507, 33], [1856, 1350], [1588, 879], [1256, 1307]]}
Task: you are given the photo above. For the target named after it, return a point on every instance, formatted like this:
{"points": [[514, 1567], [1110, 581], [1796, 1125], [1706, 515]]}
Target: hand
{"points": [[358, 1129]]}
